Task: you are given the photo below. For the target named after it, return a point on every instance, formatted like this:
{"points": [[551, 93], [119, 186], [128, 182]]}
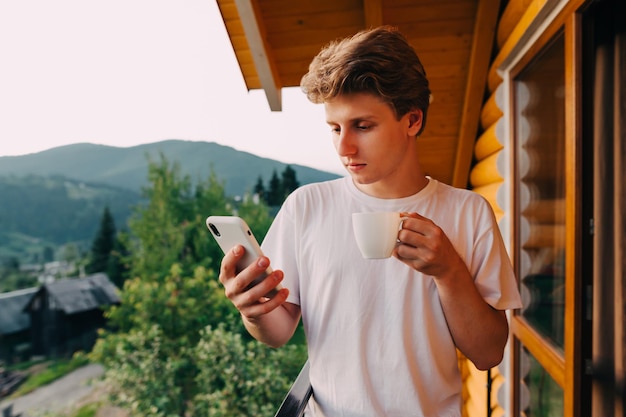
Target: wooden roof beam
{"points": [[264, 63], [484, 33]]}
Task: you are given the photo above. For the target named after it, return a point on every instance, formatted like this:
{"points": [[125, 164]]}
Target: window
{"points": [[540, 119]]}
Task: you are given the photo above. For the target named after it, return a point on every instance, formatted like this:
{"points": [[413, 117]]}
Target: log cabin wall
{"points": [[487, 178]]}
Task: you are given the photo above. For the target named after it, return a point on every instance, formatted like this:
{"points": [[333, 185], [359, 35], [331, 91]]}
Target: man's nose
{"points": [[345, 144]]}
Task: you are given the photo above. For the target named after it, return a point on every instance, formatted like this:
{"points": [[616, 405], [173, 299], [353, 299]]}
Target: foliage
{"points": [[156, 348], [179, 305], [87, 410], [11, 278], [57, 209], [167, 363], [259, 188], [242, 378], [275, 191], [170, 227], [289, 182], [23, 366], [118, 265], [108, 251], [103, 244], [142, 372], [278, 188]]}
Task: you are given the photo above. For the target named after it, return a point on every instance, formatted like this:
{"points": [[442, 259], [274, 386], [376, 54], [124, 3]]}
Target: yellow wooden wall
{"points": [[486, 178]]}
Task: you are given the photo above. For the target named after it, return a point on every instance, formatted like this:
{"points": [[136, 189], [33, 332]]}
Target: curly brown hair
{"points": [[378, 61]]}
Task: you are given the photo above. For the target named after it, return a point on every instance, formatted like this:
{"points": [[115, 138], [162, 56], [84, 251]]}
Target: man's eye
{"points": [[363, 127], [335, 129]]}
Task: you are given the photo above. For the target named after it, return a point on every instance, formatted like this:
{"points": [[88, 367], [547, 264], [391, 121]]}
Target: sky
{"points": [[129, 72]]}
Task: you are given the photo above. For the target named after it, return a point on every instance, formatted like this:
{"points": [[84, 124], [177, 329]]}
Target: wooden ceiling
{"points": [[274, 41]]}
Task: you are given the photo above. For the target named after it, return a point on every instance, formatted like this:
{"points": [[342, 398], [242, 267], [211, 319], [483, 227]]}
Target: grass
{"points": [[54, 371], [23, 366], [88, 410]]}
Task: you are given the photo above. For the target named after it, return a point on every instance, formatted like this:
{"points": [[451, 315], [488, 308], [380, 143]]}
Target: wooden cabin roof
{"points": [[76, 295], [12, 317], [275, 40]]}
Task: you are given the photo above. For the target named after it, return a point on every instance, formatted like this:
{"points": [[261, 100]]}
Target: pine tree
{"points": [[47, 254], [289, 181], [103, 244], [275, 193], [259, 189], [118, 263]]}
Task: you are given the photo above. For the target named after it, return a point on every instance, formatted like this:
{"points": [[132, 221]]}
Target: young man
{"points": [[382, 334]]}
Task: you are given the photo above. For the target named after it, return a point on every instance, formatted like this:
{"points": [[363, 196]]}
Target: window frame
{"points": [[565, 367]]}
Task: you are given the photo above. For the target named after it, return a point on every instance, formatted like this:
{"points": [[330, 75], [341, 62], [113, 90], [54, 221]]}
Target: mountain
{"points": [[39, 214], [128, 167], [56, 197]]}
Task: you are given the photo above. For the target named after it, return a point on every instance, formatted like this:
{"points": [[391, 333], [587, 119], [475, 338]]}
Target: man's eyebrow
{"points": [[357, 119]]}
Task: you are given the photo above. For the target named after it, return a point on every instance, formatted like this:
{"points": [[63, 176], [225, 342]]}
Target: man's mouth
{"points": [[355, 165]]}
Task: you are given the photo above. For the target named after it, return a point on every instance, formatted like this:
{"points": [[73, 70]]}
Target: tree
{"points": [[103, 244], [278, 188], [149, 357], [11, 278], [259, 188], [289, 181], [153, 349], [171, 228], [11, 264], [118, 266], [242, 378], [48, 254], [275, 194]]}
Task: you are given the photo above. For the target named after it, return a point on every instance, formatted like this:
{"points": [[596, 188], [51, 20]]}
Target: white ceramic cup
{"points": [[376, 233]]}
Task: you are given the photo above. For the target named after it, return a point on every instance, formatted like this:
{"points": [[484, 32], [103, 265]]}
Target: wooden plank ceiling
{"points": [[274, 41]]}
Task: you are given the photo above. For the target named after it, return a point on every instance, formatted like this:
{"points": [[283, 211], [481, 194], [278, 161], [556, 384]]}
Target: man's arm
{"points": [[479, 331], [271, 321]]}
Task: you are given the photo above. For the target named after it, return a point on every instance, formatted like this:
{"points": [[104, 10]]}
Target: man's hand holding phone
{"points": [[251, 285], [245, 291]]}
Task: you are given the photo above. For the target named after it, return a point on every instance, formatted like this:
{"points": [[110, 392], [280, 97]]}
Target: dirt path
{"points": [[58, 395]]}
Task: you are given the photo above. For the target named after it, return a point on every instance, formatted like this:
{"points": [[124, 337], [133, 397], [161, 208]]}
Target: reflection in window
{"points": [[545, 396], [540, 157]]}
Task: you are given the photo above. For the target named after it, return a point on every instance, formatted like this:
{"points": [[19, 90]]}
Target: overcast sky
{"points": [[128, 72]]}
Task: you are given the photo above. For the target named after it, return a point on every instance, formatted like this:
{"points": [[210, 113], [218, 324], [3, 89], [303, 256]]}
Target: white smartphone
{"points": [[229, 231]]}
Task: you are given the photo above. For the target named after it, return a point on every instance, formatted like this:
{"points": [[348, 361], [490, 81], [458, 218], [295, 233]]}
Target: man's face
{"points": [[377, 149]]}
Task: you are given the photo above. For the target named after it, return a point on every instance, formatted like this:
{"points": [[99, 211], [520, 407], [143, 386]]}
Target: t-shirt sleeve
{"points": [[491, 266]]}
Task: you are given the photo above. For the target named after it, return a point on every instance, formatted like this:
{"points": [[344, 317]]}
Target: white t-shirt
{"points": [[377, 337]]}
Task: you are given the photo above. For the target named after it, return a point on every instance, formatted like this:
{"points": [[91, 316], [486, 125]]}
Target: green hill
{"points": [[52, 198], [39, 212], [128, 167]]}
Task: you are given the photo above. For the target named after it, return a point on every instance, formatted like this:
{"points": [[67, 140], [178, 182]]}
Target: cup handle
{"points": [[402, 219]]}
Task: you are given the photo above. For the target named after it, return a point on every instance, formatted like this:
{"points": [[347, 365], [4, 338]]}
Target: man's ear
{"points": [[415, 120]]}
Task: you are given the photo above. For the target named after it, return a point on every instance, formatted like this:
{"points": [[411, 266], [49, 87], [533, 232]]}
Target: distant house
{"points": [[15, 340], [66, 314]]}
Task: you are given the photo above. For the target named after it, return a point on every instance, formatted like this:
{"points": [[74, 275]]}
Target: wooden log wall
{"points": [[487, 179]]}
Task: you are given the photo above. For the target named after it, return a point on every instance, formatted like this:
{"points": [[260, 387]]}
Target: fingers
{"points": [[263, 305], [415, 229], [250, 300], [424, 245], [228, 269]]}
